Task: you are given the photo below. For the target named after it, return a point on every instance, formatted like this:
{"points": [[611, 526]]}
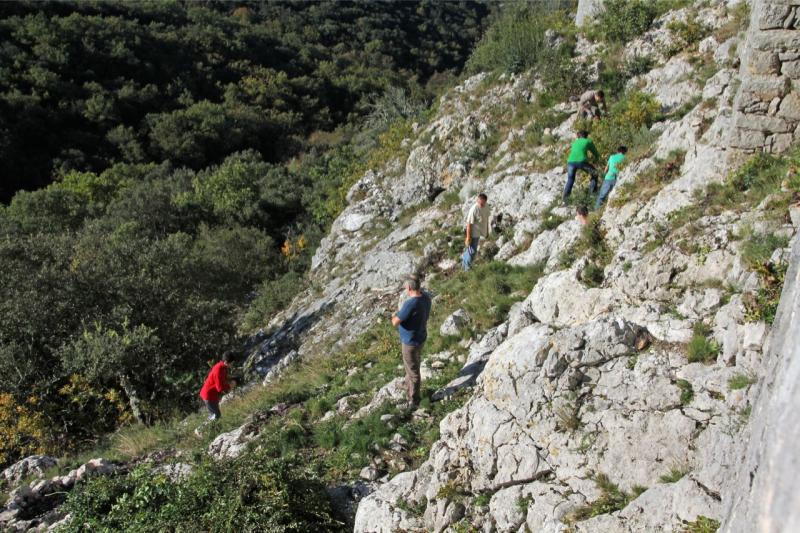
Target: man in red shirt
{"points": [[216, 385]]}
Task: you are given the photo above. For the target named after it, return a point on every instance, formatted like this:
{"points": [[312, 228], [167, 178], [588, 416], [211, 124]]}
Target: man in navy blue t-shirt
{"points": [[411, 322]]}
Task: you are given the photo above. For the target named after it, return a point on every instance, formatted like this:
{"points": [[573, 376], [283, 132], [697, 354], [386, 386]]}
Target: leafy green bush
{"points": [[627, 123], [522, 38], [688, 33], [253, 493], [624, 20]]}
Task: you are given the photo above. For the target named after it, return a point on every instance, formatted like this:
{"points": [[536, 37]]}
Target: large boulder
{"points": [[455, 324], [32, 466]]}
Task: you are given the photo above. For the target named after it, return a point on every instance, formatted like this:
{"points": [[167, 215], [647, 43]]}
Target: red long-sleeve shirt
{"points": [[216, 383]]}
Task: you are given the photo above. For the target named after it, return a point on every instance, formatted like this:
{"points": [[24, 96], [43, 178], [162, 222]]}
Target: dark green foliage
{"points": [[621, 21], [188, 157], [252, 493], [87, 84], [532, 35]]}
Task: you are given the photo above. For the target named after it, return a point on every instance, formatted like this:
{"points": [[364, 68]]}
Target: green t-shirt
{"points": [[613, 166], [577, 154]]}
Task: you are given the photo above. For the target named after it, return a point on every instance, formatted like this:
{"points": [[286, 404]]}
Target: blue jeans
{"points": [[572, 169], [605, 190], [469, 253]]}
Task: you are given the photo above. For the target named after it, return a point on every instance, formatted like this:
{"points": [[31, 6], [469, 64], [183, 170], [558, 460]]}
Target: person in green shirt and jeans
{"points": [[579, 160], [612, 171]]}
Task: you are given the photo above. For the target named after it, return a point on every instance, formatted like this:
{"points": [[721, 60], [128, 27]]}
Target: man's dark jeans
{"points": [[213, 410], [572, 169]]}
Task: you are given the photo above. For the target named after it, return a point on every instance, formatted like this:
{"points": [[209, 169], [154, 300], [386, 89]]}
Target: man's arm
{"points": [[402, 314], [224, 384], [471, 216]]}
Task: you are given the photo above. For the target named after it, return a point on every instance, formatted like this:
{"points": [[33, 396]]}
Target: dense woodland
{"points": [[166, 170]]}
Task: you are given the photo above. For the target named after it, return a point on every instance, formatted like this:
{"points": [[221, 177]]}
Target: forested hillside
{"points": [[167, 166]]}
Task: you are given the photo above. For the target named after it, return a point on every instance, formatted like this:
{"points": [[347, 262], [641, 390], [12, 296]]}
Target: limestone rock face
{"points": [[587, 9], [34, 465], [763, 494]]}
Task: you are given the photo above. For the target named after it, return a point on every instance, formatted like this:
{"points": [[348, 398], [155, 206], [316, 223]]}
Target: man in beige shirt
{"points": [[592, 104], [477, 223]]}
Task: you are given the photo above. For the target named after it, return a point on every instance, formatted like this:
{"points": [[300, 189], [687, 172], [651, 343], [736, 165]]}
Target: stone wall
{"points": [[767, 104], [765, 495]]}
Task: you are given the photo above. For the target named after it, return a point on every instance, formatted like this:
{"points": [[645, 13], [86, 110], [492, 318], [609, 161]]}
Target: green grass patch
{"points": [[761, 176], [687, 393], [674, 475], [647, 184], [701, 348], [592, 243], [741, 381], [611, 499], [702, 524]]}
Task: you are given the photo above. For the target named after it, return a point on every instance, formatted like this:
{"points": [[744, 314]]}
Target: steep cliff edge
{"points": [[764, 494]]}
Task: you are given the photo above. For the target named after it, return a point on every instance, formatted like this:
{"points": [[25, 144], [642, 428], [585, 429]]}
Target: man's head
{"points": [[482, 198], [229, 356], [412, 284], [582, 134], [622, 149], [600, 95], [582, 211]]}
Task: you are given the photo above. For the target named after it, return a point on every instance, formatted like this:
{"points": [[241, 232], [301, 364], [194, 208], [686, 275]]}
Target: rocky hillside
{"points": [[595, 378]]}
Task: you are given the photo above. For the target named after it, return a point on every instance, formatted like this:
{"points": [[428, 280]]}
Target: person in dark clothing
{"points": [[411, 322]]}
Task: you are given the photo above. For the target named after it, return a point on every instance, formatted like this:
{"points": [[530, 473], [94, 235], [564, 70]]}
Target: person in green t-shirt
{"points": [[579, 160], [612, 171]]}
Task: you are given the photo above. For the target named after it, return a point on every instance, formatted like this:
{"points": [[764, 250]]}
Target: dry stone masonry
{"points": [[767, 104]]}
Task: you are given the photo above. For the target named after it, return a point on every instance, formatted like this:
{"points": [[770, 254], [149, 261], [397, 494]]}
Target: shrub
{"points": [[254, 492], [628, 122], [273, 295], [518, 39], [763, 305], [687, 33], [23, 430], [623, 20]]}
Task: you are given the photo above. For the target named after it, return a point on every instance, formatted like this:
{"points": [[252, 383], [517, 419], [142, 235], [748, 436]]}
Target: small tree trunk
{"points": [[133, 398]]}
